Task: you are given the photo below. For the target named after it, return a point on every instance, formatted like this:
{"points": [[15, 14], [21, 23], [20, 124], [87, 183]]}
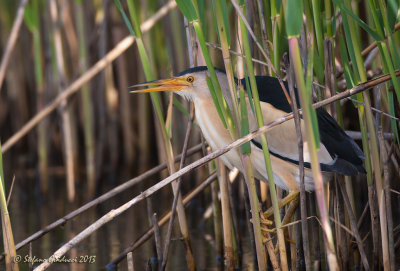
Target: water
{"points": [[30, 212]]}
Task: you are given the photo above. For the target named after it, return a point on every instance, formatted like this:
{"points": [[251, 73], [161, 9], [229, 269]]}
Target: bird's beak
{"points": [[170, 84]]}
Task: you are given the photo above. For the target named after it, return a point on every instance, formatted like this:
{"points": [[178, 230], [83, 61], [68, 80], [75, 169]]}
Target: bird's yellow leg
{"points": [[291, 198], [288, 216]]}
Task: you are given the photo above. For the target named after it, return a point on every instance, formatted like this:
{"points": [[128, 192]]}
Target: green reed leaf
{"points": [[188, 10], [244, 127], [215, 99], [294, 17], [366, 27]]}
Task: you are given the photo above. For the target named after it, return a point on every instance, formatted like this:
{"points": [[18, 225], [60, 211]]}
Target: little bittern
{"points": [[338, 153]]}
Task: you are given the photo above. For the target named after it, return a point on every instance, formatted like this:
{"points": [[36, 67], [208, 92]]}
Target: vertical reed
{"points": [[8, 238], [136, 31], [86, 101], [293, 24], [65, 113], [32, 21]]}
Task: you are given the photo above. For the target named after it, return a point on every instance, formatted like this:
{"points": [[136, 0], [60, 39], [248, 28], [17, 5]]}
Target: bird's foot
{"points": [[265, 223], [283, 202]]}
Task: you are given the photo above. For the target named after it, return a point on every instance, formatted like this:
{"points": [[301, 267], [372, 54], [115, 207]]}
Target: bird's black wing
{"points": [[270, 91], [337, 142], [347, 156]]}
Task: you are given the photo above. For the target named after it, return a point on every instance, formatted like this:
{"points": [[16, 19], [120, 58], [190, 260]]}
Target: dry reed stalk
{"points": [[11, 40], [217, 223], [125, 105], [42, 130], [120, 48], [249, 176], [374, 226], [303, 199], [341, 234], [30, 255], [157, 237], [150, 212], [11, 190], [175, 200], [130, 262], [379, 185], [271, 252], [237, 244], [226, 217], [8, 239], [247, 209], [353, 224], [386, 179], [86, 102], [255, 213], [288, 232], [65, 114], [315, 242], [293, 253], [313, 140]]}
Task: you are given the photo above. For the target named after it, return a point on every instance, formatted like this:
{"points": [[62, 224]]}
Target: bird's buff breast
{"points": [[215, 133]]}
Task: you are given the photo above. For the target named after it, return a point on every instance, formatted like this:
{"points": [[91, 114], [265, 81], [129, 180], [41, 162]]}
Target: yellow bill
{"points": [[170, 84]]}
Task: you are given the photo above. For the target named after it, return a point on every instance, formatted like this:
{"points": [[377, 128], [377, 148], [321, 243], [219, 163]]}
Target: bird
{"points": [[338, 153]]}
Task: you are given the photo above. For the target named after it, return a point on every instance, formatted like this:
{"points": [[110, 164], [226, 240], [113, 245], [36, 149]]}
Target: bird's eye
{"points": [[190, 79]]}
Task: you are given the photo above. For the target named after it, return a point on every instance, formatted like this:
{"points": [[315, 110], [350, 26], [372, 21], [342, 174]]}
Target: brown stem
{"points": [[353, 224], [11, 40]]}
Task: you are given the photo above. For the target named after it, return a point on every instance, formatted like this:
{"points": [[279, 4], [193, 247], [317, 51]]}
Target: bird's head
{"points": [[191, 83]]}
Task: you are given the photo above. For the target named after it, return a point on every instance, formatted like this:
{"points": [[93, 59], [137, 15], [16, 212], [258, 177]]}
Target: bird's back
{"points": [[347, 156]]}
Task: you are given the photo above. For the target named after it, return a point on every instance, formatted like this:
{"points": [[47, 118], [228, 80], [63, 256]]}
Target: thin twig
{"points": [[363, 215], [303, 199], [360, 103], [394, 191], [373, 108], [157, 237], [11, 189], [176, 196], [357, 135], [11, 40], [216, 46], [353, 224], [373, 45], [130, 261]]}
